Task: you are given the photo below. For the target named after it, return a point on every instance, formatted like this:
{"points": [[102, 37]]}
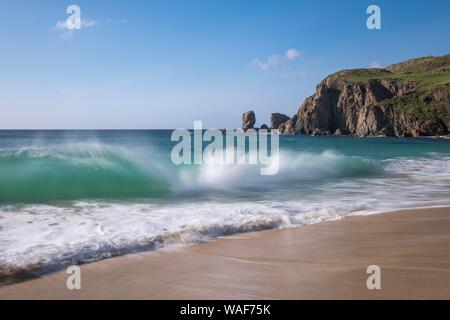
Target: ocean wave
{"points": [[100, 171], [76, 171]]}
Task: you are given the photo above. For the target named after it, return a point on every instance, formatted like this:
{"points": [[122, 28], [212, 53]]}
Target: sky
{"points": [[164, 64]]}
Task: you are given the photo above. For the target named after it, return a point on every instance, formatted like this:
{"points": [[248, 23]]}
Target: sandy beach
{"points": [[322, 261]]}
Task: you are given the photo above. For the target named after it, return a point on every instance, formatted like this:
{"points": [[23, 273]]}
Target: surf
{"points": [[77, 197], [93, 170], [76, 171]]}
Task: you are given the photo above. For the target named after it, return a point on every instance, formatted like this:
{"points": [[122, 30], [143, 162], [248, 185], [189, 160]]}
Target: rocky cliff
{"points": [[411, 98]]}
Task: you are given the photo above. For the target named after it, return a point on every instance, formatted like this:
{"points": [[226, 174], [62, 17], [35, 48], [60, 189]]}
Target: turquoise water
{"points": [[77, 196]]}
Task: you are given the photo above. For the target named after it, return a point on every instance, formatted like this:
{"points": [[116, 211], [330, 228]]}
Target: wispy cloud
{"points": [[115, 21], [61, 26], [271, 62], [89, 23], [293, 75], [85, 23], [375, 64], [274, 60]]}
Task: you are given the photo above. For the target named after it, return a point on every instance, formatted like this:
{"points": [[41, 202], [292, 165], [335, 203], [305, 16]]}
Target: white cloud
{"points": [[293, 75], [375, 64], [60, 25], [292, 54], [89, 23], [271, 62], [85, 23], [122, 21], [67, 33], [275, 59]]}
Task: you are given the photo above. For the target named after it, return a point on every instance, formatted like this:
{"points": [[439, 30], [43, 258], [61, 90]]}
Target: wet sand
{"points": [[322, 261]]}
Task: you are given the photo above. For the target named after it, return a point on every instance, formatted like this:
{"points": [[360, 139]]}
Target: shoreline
{"points": [[327, 260], [34, 272]]}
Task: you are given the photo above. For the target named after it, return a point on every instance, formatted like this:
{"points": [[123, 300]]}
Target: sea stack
{"points": [[248, 120], [278, 119]]}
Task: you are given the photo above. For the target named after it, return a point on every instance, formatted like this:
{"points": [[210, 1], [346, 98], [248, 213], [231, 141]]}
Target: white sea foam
{"points": [[298, 167], [51, 236]]}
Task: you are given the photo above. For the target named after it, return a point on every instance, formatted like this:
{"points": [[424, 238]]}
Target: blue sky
{"points": [[163, 64]]}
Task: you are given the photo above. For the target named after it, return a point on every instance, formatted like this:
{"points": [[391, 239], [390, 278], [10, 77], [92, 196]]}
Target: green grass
{"points": [[425, 80], [363, 75], [417, 104], [421, 65], [427, 72]]}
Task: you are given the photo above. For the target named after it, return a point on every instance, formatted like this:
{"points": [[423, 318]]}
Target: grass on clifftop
{"points": [[426, 80], [428, 72]]}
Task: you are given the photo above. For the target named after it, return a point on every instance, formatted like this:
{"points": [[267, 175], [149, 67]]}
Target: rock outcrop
{"points": [[248, 120], [407, 99], [278, 119]]}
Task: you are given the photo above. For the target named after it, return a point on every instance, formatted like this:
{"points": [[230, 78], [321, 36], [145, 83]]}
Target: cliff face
{"points": [[407, 99]]}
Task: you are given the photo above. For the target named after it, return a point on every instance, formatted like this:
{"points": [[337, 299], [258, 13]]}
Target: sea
{"points": [[73, 197]]}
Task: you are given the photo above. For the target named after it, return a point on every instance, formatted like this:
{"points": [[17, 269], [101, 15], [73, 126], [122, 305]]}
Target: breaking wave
{"points": [[100, 171]]}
